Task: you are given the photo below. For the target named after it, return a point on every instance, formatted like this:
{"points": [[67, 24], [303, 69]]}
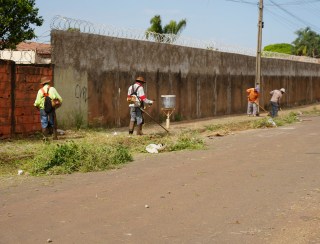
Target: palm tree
{"points": [[156, 25], [307, 43], [171, 30], [175, 28]]}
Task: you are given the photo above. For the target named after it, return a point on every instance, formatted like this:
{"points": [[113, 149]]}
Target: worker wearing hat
{"points": [[276, 96], [253, 101], [47, 119], [137, 100]]}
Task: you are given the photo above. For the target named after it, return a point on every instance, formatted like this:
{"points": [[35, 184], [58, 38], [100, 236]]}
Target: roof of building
{"points": [[40, 48]]}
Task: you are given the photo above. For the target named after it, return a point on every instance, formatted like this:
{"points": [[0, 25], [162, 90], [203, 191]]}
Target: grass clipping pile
{"points": [[89, 150]]}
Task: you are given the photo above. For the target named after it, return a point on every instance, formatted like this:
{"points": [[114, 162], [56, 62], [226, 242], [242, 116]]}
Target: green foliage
{"points": [[288, 119], [156, 25], [177, 117], [307, 43], [279, 121], [279, 48], [96, 150], [71, 157], [187, 140], [78, 119], [261, 123], [173, 27], [16, 18], [73, 29]]}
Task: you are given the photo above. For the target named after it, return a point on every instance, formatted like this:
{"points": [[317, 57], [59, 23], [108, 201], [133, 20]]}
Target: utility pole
{"points": [[258, 59]]}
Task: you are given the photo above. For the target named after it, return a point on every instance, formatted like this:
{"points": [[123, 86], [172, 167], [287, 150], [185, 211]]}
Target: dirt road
{"points": [[257, 186]]}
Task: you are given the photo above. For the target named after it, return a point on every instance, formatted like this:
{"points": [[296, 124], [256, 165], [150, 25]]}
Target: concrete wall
{"points": [[93, 73], [19, 85]]}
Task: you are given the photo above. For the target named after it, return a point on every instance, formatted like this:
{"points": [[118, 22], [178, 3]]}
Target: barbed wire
{"points": [[70, 24], [65, 23], [21, 57], [38, 56], [267, 54], [29, 52]]}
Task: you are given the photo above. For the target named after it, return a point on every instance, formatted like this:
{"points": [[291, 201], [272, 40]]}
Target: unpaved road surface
{"points": [[257, 186]]}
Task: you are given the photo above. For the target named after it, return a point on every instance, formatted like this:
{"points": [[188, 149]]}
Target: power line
{"points": [[311, 8], [295, 17], [242, 1], [300, 2], [288, 23]]}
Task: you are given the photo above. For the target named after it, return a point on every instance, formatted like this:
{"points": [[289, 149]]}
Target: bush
{"points": [[71, 157], [285, 48]]}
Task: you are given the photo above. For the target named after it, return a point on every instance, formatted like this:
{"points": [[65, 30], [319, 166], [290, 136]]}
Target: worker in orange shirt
{"points": [[253, 101]]}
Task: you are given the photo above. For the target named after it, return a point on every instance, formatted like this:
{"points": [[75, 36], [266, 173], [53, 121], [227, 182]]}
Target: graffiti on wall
{"points": [[81, 93]]}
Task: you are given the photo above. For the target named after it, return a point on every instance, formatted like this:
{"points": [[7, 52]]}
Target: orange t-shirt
{"points": [[252, 95]]}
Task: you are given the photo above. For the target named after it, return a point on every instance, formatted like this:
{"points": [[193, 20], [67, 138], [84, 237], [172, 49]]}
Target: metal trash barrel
{"points": [[168, 101], [168, 106]]}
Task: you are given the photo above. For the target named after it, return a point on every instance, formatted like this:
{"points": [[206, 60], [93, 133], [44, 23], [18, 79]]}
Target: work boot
{"points": [[139, 130], [131, 127]]}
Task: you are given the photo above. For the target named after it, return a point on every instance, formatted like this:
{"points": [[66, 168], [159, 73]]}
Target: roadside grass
{"points": [[97, 150], [88, 151], [314, 111], [265, 122], [74, 156]]}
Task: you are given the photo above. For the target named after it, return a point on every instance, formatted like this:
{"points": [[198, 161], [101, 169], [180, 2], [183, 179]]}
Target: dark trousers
{"points": [[274, 109]]}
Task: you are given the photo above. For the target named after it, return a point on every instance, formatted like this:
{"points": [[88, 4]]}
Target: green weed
{"points": [[186, 140], [72, 157], [261, 123], [287, 119], [78, 119]]}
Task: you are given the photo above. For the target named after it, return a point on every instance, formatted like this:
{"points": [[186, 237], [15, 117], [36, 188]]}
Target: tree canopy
{"points": [[16, 20], [172, 28], [307, 43], [156, 25], [279, 48]]}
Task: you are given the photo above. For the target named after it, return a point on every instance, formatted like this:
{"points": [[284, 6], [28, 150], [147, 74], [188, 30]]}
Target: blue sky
{"points": [[231, 22]]}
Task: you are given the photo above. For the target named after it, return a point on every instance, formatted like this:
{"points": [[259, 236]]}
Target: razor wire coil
{"points": [[65, 23]]}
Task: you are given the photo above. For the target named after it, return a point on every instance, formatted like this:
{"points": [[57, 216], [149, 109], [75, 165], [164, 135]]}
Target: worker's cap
{"points": [[283, 90], [141, 79], [45, 80]]}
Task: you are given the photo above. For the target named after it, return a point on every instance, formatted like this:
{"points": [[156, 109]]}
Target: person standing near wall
{"points": [[253, 101], [47, 118], [275, 101], [137, 100]]}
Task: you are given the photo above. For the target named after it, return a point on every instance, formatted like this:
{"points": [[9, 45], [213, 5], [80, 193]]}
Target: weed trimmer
{"points": [[154, 119]]}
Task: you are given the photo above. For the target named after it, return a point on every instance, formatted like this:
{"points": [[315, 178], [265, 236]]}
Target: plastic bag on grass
{"points": [[154, 148]]}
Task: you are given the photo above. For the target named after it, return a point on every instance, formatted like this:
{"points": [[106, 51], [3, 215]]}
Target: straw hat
{"points": [[45, 80], [141, 79]]}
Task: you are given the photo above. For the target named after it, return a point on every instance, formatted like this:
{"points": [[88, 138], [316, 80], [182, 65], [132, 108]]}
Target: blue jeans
{"points": [[47, 120], [136, 115], [274, 109]]}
